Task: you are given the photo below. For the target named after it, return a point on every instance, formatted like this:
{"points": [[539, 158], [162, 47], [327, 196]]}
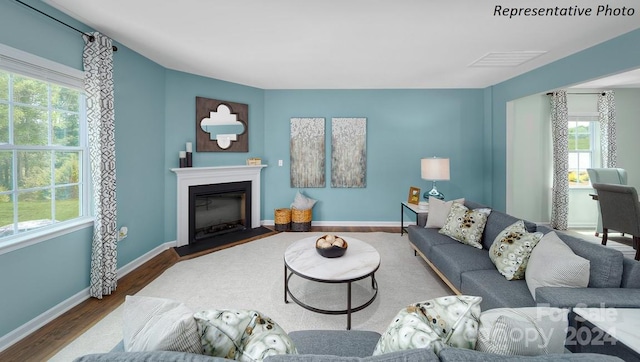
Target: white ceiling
{"points": [[348, 44]]}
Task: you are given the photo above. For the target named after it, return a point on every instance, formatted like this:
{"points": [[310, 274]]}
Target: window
{"points": [[582, 148], [42, 145]]}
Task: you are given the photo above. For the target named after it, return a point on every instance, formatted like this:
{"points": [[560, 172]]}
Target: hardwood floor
{"points": [[48, 340]]}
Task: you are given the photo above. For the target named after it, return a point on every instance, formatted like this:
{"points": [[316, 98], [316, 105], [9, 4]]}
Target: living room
{"points": [[155, 108]]}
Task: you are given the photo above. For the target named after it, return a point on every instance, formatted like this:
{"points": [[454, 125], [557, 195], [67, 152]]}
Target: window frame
{"points": [[19, 62]]}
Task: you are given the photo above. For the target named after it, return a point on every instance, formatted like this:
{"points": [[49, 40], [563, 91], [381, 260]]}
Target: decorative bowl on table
{"points": [[331, 246]]}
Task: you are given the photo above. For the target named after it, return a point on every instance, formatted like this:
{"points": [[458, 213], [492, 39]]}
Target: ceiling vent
{"points": [[506, 59]]}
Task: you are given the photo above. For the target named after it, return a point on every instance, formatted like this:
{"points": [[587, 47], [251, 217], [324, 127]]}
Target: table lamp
{"points": [[434, 169]]}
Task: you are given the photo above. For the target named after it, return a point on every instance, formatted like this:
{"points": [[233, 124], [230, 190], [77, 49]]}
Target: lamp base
{"points": [[433, 193]]}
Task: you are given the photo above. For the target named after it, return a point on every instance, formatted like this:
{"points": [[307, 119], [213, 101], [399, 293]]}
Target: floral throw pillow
{"points": [[464, 225], [511, 249], [242, 335], [432, 324]]}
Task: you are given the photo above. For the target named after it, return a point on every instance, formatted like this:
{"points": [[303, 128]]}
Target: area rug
{"points": [[251, 276]]}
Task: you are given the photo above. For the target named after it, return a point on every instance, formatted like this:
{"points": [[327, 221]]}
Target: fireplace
{"points": [[218, 209], [188, 177]]}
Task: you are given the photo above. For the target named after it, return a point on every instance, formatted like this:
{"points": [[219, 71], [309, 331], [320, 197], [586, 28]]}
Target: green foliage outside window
{"points": [[40, 151]]}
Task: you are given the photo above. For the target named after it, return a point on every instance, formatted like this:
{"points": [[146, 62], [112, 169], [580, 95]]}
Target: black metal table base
{"points": [[350, 309]]}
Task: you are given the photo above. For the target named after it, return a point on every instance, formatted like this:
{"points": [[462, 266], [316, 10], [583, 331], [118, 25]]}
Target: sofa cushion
{"points": [[425, 239], [554, 264], [412, 355], [606, 266], [432, 324], [158, 324], [496, 291], [438, 212], [523, 331], [511, 249], [466, 225], [454, 259], [564, 297], [497, 222], [241, 334], [346, 343]]}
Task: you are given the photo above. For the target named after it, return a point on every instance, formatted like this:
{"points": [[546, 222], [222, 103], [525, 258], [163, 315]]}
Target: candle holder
{"points": [[189, 155], [183, 159]]}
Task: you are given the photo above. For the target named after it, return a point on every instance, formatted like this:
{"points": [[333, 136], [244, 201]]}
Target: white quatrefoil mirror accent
{"points": [[222, 126]]}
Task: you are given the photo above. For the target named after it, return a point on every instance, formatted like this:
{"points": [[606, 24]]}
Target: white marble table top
{"points": [[622, 324], [360, 260]]}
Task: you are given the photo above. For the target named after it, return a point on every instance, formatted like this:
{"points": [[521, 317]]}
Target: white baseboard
{"points": [[40, 321]]}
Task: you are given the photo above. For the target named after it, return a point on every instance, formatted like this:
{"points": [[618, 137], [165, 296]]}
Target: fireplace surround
{"points": [[200, 176]]}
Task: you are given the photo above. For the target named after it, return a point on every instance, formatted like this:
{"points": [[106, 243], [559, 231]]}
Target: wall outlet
{"points": [[122, 233], [280, 163]]}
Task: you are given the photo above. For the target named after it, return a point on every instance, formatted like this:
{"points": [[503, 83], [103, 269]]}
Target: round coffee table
{"points": [[359, 262]]}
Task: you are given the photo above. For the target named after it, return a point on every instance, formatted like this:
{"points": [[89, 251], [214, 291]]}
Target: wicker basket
{"points": [[282, 219], [300, 220]]}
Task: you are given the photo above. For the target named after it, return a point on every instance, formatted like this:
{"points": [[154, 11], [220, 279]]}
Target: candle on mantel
{"points": [[189, 155], [183, 159]]}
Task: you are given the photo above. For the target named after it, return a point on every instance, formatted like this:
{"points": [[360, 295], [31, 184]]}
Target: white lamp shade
{"points": [[434, 168]]}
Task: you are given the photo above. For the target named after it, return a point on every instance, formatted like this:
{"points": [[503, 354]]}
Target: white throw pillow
{"points": [[553, 264], [523, 331], [302, 202], [158, 324], [438, 211]]}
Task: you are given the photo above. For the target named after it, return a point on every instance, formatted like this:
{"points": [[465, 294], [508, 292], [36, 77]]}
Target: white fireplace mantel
{"points": [[196, 176]]}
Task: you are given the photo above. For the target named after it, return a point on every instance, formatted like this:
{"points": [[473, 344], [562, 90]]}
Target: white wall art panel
{"points": [[348, 152], [307, 152]]}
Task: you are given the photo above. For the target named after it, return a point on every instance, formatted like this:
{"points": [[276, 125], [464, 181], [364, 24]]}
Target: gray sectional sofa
{"points": [[343, 346], [614, 280]]}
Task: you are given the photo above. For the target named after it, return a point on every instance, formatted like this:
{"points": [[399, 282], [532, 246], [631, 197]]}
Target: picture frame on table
{"points": [[414, 195]]}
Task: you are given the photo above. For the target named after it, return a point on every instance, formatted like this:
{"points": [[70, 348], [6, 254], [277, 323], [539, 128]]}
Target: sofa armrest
{"points": [[565, 297]]}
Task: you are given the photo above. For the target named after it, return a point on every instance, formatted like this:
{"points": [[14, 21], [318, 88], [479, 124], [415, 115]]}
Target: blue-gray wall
{"points": [[155, 116], [402, 127]]}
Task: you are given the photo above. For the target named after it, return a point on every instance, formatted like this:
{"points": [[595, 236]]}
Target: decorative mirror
{"points": [[221, 126]]}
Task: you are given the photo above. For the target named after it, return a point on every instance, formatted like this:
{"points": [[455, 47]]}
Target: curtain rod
{"points": [[578, 93], [91, 37]]}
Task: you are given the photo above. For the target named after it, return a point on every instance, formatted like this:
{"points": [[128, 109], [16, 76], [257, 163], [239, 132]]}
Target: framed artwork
{"points": [[349, 152], [307, 152], [414, 195], [221, 126]]}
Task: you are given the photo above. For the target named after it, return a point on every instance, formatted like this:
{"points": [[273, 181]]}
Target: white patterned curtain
{"points": [[98, 66], [608, 138], [560, 130]]}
